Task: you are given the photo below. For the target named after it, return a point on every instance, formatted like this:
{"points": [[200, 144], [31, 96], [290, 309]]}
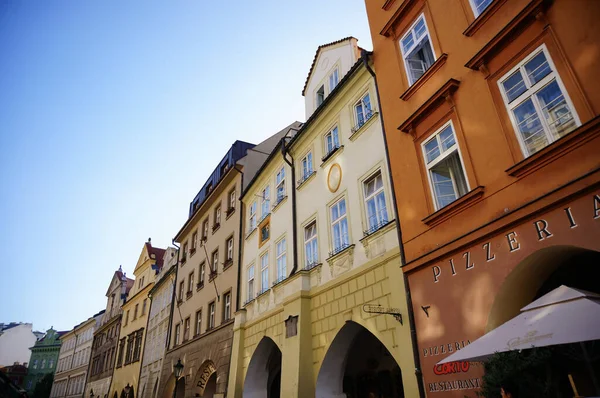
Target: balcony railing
{"points": [[377, 221], [263, 290], [305, 177], [278, 200], [340, 244], [331, 152], [311, 265], [279, 280], [363, 120]]}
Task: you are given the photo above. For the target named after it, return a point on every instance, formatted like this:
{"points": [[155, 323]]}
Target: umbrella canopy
{"points": [[565, 315]]}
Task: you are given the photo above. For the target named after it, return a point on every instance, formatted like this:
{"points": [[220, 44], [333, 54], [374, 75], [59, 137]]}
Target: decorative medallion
{"points": [[324, 63], [334, 177]]}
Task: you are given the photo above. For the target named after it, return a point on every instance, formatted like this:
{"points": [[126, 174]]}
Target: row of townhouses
{"points": [[440, 183]]}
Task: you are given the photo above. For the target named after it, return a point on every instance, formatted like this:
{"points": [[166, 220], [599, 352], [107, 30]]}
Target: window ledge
{"points": [[356, 133], [310, 267], [331, 155], [305, 180], [455, 207], [425, 77], [183, 260], [558, 148], [199, 286], [507, 34], [216, 227], [250, 300], [483, 17], [227, 264], [250, 233], [188, 294], [379, 231], [279, 281], [279, 203], [346, 250], [229, 213], [262, 293], [179, 302], [192, 251], [443, 94]]}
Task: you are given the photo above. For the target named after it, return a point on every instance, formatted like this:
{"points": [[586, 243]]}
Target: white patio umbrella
{"points": [[564, 315]]}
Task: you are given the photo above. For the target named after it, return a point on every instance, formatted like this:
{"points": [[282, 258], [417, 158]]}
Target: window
{"points": [[320, 96], [186, 329], [339, 226], [51, 363], [251, 282], [264, 273], [184, 254], [126, 317], [479, 6], [227, 307], [224, 169], [363, 111], [191, 283], [202, 271], [333, 79], [144, 303], [417, 50], [265, 233], [194, 240], [177, 334], [280, 185], [307, 166], [198, 322], [265, 202], [209, 188], [35, 363], [229, 246], [377, 215], [215, 263], [444, 166], [311, 245], [181, 287], [252, 216], [43, 364], [217, 217], [205, 229], [211, 315], [332, 141], [539, 107], [281, 258], [121, 350], [231, 200]]}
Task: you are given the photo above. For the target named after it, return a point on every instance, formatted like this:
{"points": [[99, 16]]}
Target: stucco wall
{"points": [[15, 343]]}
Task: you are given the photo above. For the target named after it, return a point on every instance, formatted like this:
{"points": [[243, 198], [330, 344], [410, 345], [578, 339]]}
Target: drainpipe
{"points": [[240, 241], [173, 295], [285, 155], [411, 316]]}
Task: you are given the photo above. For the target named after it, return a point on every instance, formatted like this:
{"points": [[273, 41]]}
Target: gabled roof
{"points": [[322, 46], [157, 254], [118, 275]]}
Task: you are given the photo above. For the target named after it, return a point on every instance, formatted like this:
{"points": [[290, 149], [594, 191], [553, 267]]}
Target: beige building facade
{"points": [[325, 311], [160, 295], [125, 379]]}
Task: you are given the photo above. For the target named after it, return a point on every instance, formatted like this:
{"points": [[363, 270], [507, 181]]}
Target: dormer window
{"points": [[333, 79], [320, 95], [224, 169], [209, 188]]}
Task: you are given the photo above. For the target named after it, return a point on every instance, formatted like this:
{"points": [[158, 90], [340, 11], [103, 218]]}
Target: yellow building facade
{"points": [[132, 334], [325, 311]]}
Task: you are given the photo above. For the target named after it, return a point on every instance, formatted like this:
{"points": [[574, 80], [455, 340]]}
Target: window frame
{"points": [[227, 306], [177, 334], [280, 276], [322, 99], [336, 72], [202, 274], [380, 221], [214, 266], [476, 12], [231, 200], [531, 92], [217, 220], [264, 270], [408, 31], [252, 220], [229, 249], [194, 242], [190, 283], [198, 326], [366, 116], [335, 250], [442, 156], [280, 182], [265, 203], [314, 238], [303, 161], [186, 329], [326, 150], [211, 315], [250, 281]]}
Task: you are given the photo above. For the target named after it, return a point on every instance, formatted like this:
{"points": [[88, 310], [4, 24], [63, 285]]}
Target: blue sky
{"points": [[113, 114]]}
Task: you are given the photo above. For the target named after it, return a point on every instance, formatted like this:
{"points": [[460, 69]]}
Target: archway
{"points": [[263, 378], [357, 364], [538, 274], [205, 384], [180, 388], [170, 386]]}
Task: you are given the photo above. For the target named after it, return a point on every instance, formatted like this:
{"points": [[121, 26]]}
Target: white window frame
{"points": [[205, 228], [334, 145], [177, 333], [211, 315], [307, 165], [474, 7], [442, 156], [265, 202], [227, 306], [252, 212], [264, 272], [218, 214], [336, 221], [190, 284], [380, 220], [232, 199], [281, 259], [310, 241], [251, 277], [230, 248], [202, 273], [317, 103], [530, 93], [415, 43], [366, 116], [280, 185], [335, 72], [215, 262], [198, 322]]}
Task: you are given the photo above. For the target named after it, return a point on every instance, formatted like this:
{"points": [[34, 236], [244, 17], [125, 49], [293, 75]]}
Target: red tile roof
{"points": [[322, 46], [157, 254]]}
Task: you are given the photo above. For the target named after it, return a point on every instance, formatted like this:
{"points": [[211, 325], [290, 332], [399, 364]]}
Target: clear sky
{"points": [[114, 113]]}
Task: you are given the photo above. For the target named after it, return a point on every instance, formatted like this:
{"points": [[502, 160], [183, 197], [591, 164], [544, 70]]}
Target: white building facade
{"points": [[15, 341]]}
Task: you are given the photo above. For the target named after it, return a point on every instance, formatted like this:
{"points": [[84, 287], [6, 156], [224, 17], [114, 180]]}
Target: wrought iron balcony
{"points": [[363, 120], [377, 221], [305, 177]]}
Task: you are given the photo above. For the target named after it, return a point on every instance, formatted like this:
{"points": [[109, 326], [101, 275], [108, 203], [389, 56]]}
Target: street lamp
{"points": [[178, 368], [127, 390]]}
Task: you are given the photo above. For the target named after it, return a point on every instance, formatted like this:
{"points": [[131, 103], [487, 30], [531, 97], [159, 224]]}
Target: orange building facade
{"points": [[491, 121]]}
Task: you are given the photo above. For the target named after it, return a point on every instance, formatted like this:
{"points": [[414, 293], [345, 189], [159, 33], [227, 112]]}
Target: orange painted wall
{"points": [[509, 192]]}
